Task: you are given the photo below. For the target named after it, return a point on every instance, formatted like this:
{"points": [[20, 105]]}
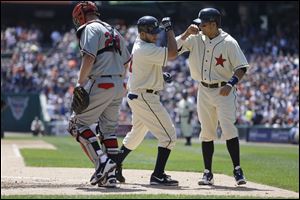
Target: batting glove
{"points": [[167, 77], [166, 23]]}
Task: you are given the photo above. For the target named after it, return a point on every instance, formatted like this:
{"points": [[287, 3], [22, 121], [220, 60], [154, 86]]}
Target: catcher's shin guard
{"points": [[111, 145], [89, 144]]}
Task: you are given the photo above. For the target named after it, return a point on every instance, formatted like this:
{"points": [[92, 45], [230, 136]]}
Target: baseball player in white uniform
{"points": [[145, 81], [104, 55], [185, 111], [218, 63]]}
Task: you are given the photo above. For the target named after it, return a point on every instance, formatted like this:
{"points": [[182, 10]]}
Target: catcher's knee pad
{"points": [[89, 143], [72, 128]]}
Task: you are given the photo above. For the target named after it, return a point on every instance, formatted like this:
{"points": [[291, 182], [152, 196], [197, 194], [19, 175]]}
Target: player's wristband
{"points": [[234, 80]]}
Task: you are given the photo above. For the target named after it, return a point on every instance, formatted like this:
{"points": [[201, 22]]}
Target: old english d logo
{"points": [[220, 60], [17, 106]]}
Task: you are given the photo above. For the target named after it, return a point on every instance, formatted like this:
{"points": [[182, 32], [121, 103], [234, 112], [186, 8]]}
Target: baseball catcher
{"points": [[99, 90]]}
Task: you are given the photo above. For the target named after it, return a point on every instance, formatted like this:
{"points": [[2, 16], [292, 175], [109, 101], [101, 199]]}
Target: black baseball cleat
{"points": [[207, 179], [119, 174], [239, 176], [163, 180]]}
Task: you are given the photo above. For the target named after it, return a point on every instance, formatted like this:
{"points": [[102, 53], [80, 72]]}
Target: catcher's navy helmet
{"points": [[209, 15], [148, 24]]}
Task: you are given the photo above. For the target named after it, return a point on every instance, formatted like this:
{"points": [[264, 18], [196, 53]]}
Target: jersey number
{"points": [[109, 40]]}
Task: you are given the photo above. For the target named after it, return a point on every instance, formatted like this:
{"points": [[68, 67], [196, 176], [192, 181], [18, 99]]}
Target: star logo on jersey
{"points": [[220, 60]]}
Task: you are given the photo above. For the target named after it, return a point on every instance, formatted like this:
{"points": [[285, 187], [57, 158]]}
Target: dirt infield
{"points": [[17, 179]]}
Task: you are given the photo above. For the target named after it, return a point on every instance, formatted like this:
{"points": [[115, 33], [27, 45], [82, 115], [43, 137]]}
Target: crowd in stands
{"points": [[268, 94]]}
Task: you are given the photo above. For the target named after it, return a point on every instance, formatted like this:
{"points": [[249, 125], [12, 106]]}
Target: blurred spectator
{"points": [[55, 37], [37, 127], [268, 94], [185, 113]]}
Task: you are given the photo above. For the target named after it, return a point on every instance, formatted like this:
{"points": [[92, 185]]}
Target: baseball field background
{"points": [[268, 164]]}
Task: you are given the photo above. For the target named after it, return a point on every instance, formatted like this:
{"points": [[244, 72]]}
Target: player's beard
{"points": [[149, 39]]}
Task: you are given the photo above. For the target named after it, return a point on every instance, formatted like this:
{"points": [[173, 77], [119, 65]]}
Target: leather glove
{"points": [[81, 100], [166, 23]]}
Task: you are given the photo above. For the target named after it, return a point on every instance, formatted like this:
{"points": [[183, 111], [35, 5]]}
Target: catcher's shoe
{"points": [[207, 179], [163, 180], [110, 181], [102, 170], [239, 176], [119, 174]]}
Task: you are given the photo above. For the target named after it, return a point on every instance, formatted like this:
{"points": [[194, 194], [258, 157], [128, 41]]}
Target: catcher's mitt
{"points": [[80, 100]]}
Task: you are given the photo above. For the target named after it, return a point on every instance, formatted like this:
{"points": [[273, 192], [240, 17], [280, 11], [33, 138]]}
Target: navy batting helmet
{"points": [[148, 24], [209, 15]]}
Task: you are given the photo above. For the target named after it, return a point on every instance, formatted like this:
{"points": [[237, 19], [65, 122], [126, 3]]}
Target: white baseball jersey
{"points": [[214, 61], [148, 114], [146, 66]]}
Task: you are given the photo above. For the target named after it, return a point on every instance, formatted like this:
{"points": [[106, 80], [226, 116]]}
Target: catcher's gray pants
{"points": [[106, 94], [148, 114]]}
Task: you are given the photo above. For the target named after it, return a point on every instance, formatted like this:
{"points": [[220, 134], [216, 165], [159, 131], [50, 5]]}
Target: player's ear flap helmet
{"points": [[148, 24], [80, 11], [209, 15]]}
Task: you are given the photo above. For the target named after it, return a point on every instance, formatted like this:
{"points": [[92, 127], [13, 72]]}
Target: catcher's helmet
{"points": [[81, 9], [148, 24], [209, 15]]}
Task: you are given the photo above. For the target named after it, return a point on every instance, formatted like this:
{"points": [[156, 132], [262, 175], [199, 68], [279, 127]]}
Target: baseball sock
{"points": [[234, 150], [207, 152], [162, 158], [123, 154]]}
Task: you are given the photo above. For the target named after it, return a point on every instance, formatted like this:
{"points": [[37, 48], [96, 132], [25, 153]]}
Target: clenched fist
{"points": [[167, 77], [166, 23], [193, 29]]}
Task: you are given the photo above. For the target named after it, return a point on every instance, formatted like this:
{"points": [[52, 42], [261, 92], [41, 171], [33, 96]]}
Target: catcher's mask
{"points": [[80, 11]]}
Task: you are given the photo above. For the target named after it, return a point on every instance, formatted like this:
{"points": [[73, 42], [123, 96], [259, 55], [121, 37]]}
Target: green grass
{"points": [[275, 165], [134, 196]]}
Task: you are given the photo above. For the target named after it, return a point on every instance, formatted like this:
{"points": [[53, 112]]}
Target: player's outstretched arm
{"points": [[172, 45]]}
